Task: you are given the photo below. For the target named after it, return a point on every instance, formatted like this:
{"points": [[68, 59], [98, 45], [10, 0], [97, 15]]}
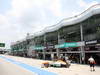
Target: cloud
{"points": [[3, 21], [29, 16], [85, 4], [55, 7], [34, 13], [75, 7]]}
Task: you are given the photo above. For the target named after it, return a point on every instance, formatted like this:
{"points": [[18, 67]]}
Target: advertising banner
{"points": [[72, 44]]}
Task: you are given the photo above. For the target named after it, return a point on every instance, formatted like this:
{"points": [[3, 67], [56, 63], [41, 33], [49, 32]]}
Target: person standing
{"points": [[92, 63]]}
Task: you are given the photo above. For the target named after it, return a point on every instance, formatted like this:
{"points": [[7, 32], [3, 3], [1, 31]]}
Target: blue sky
{"points": [[5, 5], [19, 17]]}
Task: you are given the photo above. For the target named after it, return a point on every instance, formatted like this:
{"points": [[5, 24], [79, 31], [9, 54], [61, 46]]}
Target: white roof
{"points": [[95, 9]]}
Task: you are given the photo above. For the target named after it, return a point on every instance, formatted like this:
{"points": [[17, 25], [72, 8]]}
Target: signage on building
{"points": [[73, 44], [2, 44], [87, 48], [91, 42], [48, 47], [37, 48], [97, 47]]}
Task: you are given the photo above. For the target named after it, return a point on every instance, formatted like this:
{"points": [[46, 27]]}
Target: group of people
{"points": [[90, 60]]}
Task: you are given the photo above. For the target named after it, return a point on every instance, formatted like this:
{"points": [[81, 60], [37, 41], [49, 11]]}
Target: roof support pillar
{"points": [[44, 52], [58, 51], [82, 52]]}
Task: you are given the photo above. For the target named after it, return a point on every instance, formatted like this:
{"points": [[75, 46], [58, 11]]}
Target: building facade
{"points": [[77, 37]]}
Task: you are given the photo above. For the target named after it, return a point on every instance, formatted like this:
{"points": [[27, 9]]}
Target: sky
{"points": [[19, 17]]}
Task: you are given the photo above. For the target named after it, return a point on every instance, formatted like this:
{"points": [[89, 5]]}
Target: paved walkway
{"points": [[7, 68], [75, 69]]}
